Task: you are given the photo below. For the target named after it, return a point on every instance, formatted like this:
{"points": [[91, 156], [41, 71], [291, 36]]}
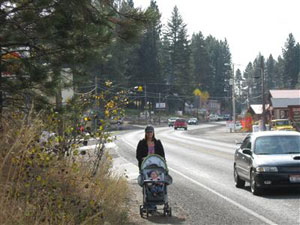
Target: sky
{"points": [[250, 26]]}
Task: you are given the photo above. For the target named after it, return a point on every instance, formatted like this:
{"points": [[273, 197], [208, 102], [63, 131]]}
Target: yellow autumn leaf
{"points": [[108, 83], [197, 92], [75, 153], [39, 178]]}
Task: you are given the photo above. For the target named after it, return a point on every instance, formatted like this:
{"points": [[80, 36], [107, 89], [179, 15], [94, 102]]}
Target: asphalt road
{"points": [[200, 161]]}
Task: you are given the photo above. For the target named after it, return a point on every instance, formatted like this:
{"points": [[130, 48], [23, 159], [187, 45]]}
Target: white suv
{"points": [[213, 117]]}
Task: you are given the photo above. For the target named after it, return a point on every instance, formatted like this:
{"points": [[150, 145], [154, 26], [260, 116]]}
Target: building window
{"points": [[284, 114]]}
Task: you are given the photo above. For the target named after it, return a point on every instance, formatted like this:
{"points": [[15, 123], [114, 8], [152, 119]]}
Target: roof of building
{"points": [[284, 98], [257, 108], [284, 102], [285, 93]]}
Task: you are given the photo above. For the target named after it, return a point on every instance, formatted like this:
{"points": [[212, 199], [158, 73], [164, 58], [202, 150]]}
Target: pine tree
{"points": [[240, 102], [280, 78], [142, 66], [291, 59], [201, 67], [270, 73], [220, 59], [165, 59], [180, 54], [256, 87], [297, 61], [149, 69], [51, 36], [238, 82], [248, 83]]}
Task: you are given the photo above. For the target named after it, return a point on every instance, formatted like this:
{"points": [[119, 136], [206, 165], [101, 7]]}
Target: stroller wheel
{"points": [[141, 211], [170, 212], [166, 207], [165, 212]]}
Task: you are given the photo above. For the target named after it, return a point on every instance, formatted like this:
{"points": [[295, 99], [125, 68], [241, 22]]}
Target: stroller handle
{"points": [[154, 181]]}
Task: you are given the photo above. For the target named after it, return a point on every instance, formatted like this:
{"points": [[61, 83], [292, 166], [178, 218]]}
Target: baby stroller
{"points": [[160, 197]]}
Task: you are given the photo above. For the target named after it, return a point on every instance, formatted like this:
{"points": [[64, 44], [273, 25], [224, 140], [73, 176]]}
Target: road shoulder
{"points": [[219, 133]]}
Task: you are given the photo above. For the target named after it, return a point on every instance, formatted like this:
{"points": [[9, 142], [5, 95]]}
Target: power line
{"points": [[83, 93]]}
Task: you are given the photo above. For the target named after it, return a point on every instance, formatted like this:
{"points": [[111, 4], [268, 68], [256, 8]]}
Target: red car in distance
{"points": [[180, 123]]}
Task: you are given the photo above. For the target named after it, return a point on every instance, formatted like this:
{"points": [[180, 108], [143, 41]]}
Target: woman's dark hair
{"points": [[149, 129]]}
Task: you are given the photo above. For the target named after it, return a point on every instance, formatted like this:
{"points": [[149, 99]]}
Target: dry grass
{"points": [[38, 187]]}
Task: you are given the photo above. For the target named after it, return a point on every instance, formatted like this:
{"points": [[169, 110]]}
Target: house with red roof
{"points": [[285, 104]]}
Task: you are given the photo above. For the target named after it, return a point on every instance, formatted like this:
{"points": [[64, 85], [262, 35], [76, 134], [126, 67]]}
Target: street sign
{"points": [[161, 105]]}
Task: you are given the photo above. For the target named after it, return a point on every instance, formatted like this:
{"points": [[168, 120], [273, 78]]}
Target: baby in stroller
{"points": [[157, 187], [154, 179]]}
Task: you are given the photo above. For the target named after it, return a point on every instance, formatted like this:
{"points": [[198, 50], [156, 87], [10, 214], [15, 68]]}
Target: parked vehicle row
{"points": [[171, 121], [217, 117], [190, 121], [193, 121]]}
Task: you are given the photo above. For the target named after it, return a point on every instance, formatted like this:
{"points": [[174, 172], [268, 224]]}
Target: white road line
{"points": [[216, 145], [219, 146], [262, 218], [184, 135], [251, 212]]}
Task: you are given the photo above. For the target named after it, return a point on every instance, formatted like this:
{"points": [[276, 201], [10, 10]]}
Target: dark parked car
{"points": [[227, 117], [180, 123], [268, 159]]}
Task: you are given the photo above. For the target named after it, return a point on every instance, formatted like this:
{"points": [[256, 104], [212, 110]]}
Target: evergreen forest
{"points": [[112, 40]]}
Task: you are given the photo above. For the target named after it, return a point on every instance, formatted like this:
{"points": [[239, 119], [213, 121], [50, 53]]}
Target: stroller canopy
{"points": [[154, 160]]}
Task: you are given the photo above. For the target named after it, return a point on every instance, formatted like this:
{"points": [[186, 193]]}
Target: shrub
{"points": [[40, 186]]}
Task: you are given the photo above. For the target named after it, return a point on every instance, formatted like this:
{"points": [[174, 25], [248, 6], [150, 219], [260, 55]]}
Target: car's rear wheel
{"points": [[253, 185], [239, 183]]}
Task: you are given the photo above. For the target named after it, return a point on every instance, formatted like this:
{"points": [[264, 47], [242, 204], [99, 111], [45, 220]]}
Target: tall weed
{"points": [[38, 186]]}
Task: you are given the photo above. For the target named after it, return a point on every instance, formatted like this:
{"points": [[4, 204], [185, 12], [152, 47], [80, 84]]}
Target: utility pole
{"points": [[59, 109], [1, 95], [233, 98], [159, 108], [96, 85], [263, 95], [146, 111], [96, 101]]}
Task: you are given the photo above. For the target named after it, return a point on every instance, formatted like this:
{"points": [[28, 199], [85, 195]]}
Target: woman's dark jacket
{"points": [[142, 150]]}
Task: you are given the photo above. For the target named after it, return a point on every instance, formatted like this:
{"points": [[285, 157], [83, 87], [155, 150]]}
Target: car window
{"points": [[249, 144], [277, 145], [246, 143], [282, 123]]}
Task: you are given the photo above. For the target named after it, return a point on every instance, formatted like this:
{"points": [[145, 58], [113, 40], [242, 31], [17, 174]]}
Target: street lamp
{"points": [[231, 82], [233, 98], [262, 76]]}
